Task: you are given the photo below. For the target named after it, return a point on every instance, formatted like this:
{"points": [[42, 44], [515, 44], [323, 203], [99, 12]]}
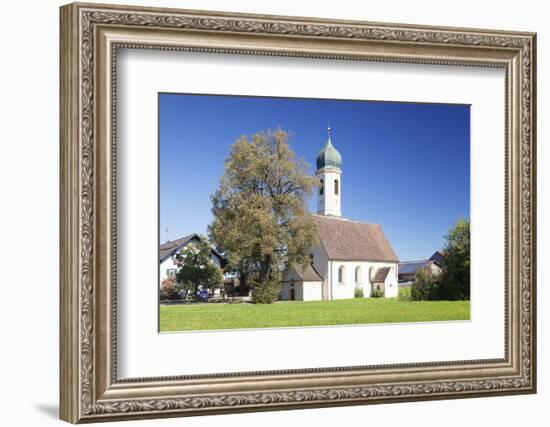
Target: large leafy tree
{"points": [[455, 280], [196, 267], [260, 212]]}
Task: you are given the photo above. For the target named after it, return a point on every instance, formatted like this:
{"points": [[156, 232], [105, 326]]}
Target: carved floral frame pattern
{"points": [[79, 400]]}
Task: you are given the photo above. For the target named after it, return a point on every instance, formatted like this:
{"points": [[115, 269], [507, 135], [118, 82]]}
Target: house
{"points": [[168, 250], [438, 257], [408, 269], [350, 254]]}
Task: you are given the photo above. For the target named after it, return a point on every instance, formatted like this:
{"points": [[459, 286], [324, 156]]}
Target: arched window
{"points": [[341, 274], [321, 187], [357, 274], [336, 186], [371, 274]]}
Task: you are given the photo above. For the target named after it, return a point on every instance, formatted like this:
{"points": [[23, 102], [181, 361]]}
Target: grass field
{"points": [[192, 317]]}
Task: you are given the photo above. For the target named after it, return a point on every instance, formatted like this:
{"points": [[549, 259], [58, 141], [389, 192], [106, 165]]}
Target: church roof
{"points": [[381, 274], [344, 239], [329, 156], [307, 274]]}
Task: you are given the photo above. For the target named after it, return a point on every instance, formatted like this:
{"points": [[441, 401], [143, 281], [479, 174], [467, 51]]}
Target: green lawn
{"points": [[191, 317]]}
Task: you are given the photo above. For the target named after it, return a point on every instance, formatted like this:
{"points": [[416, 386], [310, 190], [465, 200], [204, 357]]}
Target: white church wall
{"points": [[303, 291], [391, 286], [311, 291], [320, 263], [329, 202], [285, 291], [346, 289]]}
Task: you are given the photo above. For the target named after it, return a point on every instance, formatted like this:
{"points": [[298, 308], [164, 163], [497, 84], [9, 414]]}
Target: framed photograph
{"points": [[266, 212]]}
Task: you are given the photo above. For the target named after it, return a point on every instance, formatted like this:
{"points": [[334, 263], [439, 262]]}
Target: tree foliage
{"points": [[261, 220], [196, 267], [454, 281], [168, 288], [425, 286]]}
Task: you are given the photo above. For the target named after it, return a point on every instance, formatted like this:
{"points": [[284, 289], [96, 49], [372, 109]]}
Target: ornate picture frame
{"points": [[90, 37]]}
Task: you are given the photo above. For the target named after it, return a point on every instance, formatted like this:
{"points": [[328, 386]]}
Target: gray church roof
{"points": [[344, 240], [329, 156]]}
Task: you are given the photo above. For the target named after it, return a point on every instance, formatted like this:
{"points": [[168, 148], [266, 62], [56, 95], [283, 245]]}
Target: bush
{"points": [[267, 293], [425, 286], [376, 293], [358, 293], [168, 288], [404, 294]]}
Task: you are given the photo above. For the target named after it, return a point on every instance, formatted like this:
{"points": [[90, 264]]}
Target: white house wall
{"points": [[346, 289], [169, 263], [164, 266]]}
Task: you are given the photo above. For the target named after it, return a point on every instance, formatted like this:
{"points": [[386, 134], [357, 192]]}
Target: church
{"points": [[350, 256]]}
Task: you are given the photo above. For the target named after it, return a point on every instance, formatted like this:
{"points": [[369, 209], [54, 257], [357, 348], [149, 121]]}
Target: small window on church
{"points": [[336, 186], [357, 274], [341, 274], [321, 187]]}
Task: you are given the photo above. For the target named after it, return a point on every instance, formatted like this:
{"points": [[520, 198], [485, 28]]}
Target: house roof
{"points": [[438, 257], [344, 239], [308, 274], [381, 274], [411, 267], [167, 249]]}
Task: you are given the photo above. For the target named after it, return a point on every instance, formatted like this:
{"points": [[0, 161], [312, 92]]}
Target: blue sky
{"points": [[405, 165]]}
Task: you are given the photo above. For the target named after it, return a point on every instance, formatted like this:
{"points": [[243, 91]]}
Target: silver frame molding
{"points": [[90, 37]]}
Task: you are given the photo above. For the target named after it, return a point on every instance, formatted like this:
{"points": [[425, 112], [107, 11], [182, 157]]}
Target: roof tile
{"points": [[345, 239]]}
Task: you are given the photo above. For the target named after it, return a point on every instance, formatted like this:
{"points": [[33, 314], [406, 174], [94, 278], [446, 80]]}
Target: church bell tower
{"points": [[329, 172]]}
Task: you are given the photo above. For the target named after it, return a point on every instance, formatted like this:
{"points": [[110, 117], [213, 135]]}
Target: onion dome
{"points": [[329, 156]]}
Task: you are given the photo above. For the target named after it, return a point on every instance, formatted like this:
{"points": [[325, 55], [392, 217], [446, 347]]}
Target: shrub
{"points": [[267, 293], [376, 293], [404, 294], [425, 286], [168, 288], [358, 293]]}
